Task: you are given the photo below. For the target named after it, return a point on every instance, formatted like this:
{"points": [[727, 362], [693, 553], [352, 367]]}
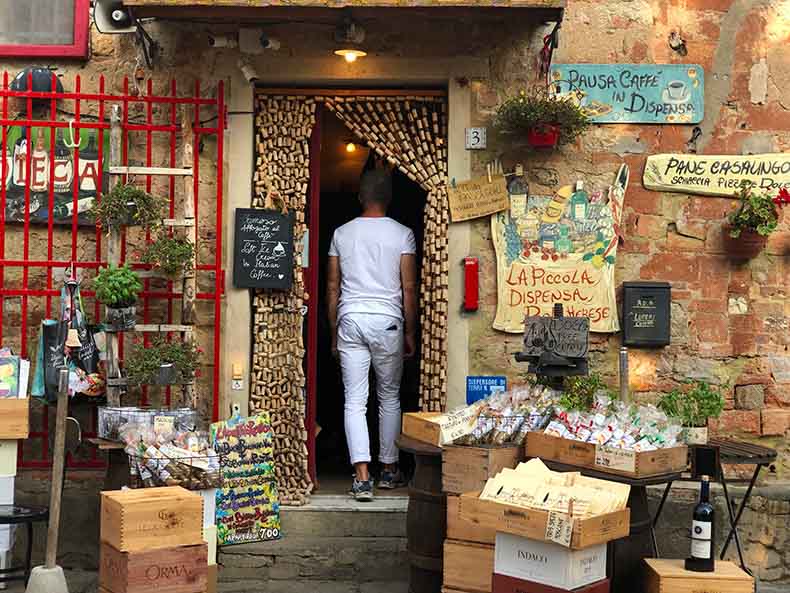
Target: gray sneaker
{"points": [[391, 480], [362, 490]]}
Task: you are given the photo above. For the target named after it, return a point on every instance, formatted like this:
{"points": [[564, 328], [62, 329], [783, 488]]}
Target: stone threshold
{"points": [[344, 503]]}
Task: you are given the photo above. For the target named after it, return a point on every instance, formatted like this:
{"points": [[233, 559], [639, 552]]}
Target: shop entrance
{"points": [[342, 160]]}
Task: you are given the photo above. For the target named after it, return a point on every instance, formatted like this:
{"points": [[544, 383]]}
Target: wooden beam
{"points": [[312, 92], [149, 171], [162, 327]]}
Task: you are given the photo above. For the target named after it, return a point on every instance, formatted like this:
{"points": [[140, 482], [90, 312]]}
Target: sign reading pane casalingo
{"points": [[716, 175], [634, 93], [263, 251]]}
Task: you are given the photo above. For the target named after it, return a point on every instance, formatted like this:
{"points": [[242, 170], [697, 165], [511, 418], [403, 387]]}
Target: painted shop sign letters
{"points": [[716, 175], [634, 93], [559, 249], [476, 198]]}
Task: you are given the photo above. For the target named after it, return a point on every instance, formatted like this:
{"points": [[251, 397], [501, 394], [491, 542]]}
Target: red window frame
{"points": [[77, 49]]}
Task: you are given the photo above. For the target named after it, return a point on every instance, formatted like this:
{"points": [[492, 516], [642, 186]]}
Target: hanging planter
{"points": [[747, 245], [161, 362], [544, 137], [752, 222], [167, 375], [170, 255], [117, 288], [127, 205]]}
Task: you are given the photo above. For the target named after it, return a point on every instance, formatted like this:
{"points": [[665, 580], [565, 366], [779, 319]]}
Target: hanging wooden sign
{"points": [[478, 197], [634, 93], [716, 175], [263, 249]]}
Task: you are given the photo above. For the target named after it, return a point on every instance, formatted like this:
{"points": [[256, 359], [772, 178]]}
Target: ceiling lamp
{"points": [[351, 147], [349, 37]]}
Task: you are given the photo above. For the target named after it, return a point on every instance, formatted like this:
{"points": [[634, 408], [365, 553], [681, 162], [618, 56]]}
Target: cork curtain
{"points": [[410, 132]]}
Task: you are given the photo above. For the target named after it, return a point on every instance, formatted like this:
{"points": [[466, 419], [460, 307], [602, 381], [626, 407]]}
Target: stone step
{"points": [[312, 586], [340, 516]]}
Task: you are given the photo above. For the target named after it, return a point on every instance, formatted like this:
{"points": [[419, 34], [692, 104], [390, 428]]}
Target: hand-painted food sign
{"points": [[713, 175], [633, 93]]}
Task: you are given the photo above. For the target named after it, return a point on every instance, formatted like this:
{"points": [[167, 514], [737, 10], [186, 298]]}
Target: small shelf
{"points": [[150, 171], [180, 222], [162, 327]]}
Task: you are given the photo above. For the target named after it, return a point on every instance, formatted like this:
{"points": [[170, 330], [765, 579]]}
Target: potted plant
{"points": [[544, 120], [127, 205], [752, 222], [579, 392], [693, 407], [162, 362], [117, 287], [170, 255]]}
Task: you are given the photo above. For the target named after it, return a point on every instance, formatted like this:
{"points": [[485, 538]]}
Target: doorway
{"points": [[341, 160]]}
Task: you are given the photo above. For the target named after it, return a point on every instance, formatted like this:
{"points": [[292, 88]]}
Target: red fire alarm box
{"points": [[470, 284]]}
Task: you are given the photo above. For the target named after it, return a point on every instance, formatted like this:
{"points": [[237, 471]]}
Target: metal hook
{"points": [[69, 142]]}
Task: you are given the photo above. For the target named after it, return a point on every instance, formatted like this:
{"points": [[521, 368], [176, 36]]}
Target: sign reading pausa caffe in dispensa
{"points": [[716, 175]]}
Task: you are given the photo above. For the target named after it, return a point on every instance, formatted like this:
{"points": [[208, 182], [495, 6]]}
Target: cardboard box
{"points": [[467, 469], [468, 566], [181, 569], [548, 563], [606, 459], [8, 455], [209, 506], [212, 578], [7, 489], [151, 518], [532, 523], [503, 584], [210, 537], [418, 426], [669, 576], [462, 529], [14, 418]]}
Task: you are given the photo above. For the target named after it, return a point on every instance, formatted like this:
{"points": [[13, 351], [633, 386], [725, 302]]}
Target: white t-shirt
{"points": [[369, 250]]}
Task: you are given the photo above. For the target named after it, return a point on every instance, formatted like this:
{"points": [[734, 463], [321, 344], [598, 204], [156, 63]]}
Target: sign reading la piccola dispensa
{"points": [[634, 93]]}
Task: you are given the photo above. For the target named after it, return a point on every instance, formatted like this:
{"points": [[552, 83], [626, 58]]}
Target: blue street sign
{"points": [[481, 387]]}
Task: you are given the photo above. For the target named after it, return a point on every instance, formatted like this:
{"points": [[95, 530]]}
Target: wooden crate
{"points": [[467, 469], [14, 418], [212, 579], [421, 427], [669, 576], [606, 459], [462, 529], [180, 569], [151, 518], [503, 584], [468, 566], [532, 523]]}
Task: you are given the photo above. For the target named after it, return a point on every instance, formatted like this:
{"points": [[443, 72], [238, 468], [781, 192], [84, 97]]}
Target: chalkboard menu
{"points": [[646, 313], [561, 336], [263, 250]]}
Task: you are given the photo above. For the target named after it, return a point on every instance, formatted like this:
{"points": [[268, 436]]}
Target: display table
{"points": [[426, 521], [625, 556]]}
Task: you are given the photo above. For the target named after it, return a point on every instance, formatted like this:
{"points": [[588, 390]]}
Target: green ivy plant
{"points": [[117, 287], [142, 364], [127, 204], [694, 405], [525, 111], [579, 392], [171, 255], [757, 212]]}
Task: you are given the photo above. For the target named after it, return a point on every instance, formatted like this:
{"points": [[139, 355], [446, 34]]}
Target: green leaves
{"points": [[127, 204], [579, 392], [517, 115], [693, 406], [143, 362], [757, 212], [171, 255], [117, 287]]}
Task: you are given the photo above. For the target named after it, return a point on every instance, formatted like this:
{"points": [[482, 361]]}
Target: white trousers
{"points": [[363, 339]]}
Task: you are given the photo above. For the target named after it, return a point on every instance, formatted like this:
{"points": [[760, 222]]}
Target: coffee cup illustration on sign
{"points": [[677, 91], [279, 250]]}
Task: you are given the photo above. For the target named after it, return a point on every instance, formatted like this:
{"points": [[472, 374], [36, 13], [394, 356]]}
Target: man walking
{"points": [[372, 297]]}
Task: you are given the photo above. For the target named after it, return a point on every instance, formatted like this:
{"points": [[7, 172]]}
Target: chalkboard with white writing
{"points": [[263, 250]]}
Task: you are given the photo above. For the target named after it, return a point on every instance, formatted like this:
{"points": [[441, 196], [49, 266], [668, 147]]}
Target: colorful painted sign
{"points": [[716, 175], [634, 93], [248, 508], [30, 162], [478, 388], [559, 249]]}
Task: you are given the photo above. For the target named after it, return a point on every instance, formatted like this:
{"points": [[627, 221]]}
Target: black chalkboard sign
{"points": [[562, 336], [646, 313], [263, 249]]}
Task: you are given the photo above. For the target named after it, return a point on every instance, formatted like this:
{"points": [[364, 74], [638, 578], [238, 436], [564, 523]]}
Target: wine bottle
{"points": [[702, 533]]}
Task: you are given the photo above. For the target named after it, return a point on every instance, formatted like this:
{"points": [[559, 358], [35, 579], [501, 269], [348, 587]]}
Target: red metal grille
{"points": [[36, 288]]}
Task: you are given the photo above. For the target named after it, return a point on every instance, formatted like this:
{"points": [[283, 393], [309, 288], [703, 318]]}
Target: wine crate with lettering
{"points": [[150, 518], [468, 566], [541, 525], [606, 459], [422, 426], [503, 584], [182, 569], [14, 418], [462, 529], [548, 563], [467, 469], [669, 576]]}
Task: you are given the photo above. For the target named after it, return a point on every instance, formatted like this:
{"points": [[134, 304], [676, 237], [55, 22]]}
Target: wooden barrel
{"points": [[426, 521]]}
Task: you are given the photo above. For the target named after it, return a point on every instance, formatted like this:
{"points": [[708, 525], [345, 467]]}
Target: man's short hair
{"points": [[376, 186]]}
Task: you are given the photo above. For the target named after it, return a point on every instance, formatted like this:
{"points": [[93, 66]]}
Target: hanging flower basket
{"points": [[130, 215], [544, 137], [121, 319], [167, 375], [745, 247]]}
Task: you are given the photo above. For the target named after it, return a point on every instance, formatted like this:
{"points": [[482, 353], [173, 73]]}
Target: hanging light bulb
{"points": [[351, 147], [73, 339], [350, 55], [349, 37]]}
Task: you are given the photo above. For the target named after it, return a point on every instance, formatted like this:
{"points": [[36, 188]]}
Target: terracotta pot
{"points": [[747, 246], [696, 435], [546, 136], [119, 320]]}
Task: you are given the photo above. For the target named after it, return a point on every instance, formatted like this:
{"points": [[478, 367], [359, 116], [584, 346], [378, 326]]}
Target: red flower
{"points": [[782, 198]]}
